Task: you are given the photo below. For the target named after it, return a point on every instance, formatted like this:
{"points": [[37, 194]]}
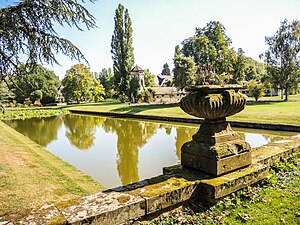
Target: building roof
{"points": [[137, 69], [166, 90]]}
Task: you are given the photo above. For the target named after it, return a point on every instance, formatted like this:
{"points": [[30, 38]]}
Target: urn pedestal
{"points": [[215, 148]]}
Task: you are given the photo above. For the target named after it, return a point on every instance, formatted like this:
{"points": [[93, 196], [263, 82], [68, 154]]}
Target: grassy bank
{"points": [[275, 113], [31, 176], [274, 202]]}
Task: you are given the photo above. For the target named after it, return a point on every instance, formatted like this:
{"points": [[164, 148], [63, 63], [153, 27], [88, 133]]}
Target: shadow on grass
{"points": [[133, 109]]}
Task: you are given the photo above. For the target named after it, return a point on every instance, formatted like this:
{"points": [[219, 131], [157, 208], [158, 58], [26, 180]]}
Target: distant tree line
{"points": [[207, 58]]}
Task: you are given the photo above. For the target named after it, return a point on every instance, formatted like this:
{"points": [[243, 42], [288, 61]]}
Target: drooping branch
{"points": [[27, 29]]}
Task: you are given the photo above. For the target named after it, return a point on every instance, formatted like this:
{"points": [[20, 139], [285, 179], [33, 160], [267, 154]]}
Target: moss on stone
{"points": [[57, 221], [68, 203], [161, 188], [123, 198]]}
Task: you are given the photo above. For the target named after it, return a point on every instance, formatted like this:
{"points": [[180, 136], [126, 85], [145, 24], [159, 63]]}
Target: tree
{"points": [[240, 66], [149, 79], [27, 29], [166, 69], [211, 52], [79, 85], [122, 52], [98, 91], [106, 79], [255, 89], [29, 80], [5, 94], [184, 71], [282, 56]]}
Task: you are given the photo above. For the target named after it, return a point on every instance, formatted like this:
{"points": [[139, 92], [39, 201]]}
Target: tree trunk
{"points": [[286, 93]]}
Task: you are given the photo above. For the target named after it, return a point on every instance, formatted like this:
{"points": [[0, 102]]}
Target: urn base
{"points": [[199, 156], [216, 149]]}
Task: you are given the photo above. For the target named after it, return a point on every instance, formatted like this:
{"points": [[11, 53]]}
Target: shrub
{"points": [[255, 89]]}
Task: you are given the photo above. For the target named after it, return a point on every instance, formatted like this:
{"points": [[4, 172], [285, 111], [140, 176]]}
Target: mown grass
{"points": [[274, 202], [275, 112], [16, 114], [31, 176]]}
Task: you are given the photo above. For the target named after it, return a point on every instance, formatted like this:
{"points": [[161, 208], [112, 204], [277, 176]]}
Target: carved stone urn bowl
{"points": [[215, 148]]}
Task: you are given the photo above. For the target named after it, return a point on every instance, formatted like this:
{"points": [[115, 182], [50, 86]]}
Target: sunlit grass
{"points": [[275, 113]]}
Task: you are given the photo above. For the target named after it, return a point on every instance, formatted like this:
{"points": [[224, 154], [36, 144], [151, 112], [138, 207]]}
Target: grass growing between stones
{"points": [[275, 113], [31, 177], [276, 201]]}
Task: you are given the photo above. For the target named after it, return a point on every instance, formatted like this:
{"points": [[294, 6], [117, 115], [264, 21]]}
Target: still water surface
{"points": [[119, 151]]}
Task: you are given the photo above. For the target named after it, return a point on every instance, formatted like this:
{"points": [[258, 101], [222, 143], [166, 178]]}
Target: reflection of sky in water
{"points": [[119, 151], [255, 140]]}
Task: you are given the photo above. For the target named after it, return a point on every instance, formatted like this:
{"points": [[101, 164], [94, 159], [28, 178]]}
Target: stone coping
{"points": [[177, 185], [265, 126]]}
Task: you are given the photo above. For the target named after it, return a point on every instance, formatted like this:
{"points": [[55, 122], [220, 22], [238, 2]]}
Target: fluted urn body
{"points": [[215, 148]]}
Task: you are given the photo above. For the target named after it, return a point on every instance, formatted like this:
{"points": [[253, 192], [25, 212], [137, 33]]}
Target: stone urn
{"points": [[215, 148]]}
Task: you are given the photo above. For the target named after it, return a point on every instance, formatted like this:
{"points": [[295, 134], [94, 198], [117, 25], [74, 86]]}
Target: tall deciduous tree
{"points": [[122, 52], [27, 29], [78, 84], [282, 56]]}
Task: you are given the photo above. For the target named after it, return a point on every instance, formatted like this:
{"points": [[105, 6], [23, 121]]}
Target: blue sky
{"points": [[159, 25]]}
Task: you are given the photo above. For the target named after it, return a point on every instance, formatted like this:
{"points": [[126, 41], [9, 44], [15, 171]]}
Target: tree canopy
{"points": [[78, 85], [282, 56], [211, 52], [184, 71], [27, 32], [35, 82], [122, 52]]}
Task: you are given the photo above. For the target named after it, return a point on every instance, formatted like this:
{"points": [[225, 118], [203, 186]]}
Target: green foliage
{"points": [[98, 91], [184, 71], [6, 95], [31, 113], [122, 52], [149, 79], [255, 89], [28, 29], [80, 86], [106, 79], [166, 69], [36, 78], [145, 96], [211, 52], [38, 94], [282, 56], [134, 88]]}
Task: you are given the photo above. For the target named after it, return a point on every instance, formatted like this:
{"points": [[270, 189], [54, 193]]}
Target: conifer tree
{"points": [[27, 29]]}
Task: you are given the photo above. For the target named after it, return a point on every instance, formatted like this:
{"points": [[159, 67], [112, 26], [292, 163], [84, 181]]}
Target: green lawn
{"points": [[276, 112]]}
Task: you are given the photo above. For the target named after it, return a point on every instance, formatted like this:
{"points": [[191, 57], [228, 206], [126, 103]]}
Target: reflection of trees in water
{"points": [[168, 128], [132, 135], [184, 134], [81, 130], [41, 130]]}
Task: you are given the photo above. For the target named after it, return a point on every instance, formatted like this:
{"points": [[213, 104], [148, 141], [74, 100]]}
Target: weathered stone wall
{"points": [[176, 186]]}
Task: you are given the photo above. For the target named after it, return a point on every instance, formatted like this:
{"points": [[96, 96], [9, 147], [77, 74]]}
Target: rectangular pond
{"points": [[119, 151]]}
